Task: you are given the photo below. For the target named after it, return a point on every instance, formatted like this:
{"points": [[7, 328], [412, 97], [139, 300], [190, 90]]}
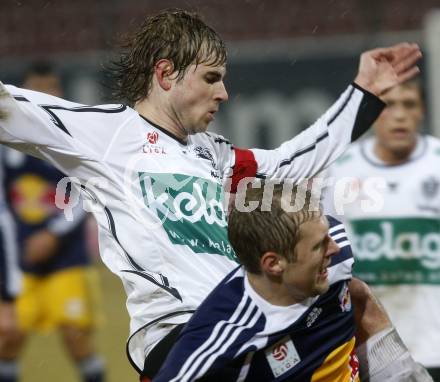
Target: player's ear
{"points": [[163, 71], [272, 264]]}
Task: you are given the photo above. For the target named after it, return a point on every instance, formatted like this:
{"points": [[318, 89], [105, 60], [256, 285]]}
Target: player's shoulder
{"points": [[223, 299], [352, 155], [213, 138], [342, 262], [212, 141], [54, 104], [433, 144]]}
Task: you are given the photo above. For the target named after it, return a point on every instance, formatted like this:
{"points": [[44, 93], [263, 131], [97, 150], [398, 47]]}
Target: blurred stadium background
{"points": [[288, 61]]}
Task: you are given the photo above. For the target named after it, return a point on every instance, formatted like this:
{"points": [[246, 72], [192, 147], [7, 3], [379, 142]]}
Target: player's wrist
{"points": [[380, 350], [367, 86]]}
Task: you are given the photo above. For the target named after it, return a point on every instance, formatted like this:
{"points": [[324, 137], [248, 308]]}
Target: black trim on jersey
{"points": [[341, 108], [423, 151], [138, 270], [81, 109], [127, 351], [171, 135], [21, 98], [304, 150], [173, 291], [221, 140], [369, 109], [111, 223]]}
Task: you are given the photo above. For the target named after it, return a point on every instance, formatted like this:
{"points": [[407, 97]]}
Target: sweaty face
{"points": [[397, 127], [307, 275], [197, 96]]}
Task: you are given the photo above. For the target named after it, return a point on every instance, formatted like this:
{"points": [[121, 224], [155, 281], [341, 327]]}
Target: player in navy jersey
{"points": [[286, 314], [58, 279]]}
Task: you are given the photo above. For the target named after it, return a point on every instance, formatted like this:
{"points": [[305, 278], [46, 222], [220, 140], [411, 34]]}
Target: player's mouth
{"points": [[323, 272], [211, 114], [400, 132]]}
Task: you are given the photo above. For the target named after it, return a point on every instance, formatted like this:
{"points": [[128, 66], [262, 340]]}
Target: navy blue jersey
{"points": [[237, 335], [30, 187]]}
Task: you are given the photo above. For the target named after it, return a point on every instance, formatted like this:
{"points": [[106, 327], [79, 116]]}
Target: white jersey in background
{"points": [[394, 227], [158, 201]]}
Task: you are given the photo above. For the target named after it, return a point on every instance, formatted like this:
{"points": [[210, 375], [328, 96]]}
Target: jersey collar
{"points": [[171, 135], [367, 151]]}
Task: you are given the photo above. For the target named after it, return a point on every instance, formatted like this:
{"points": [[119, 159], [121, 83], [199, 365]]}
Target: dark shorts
{"points": [[159, 353], [435, 373]]}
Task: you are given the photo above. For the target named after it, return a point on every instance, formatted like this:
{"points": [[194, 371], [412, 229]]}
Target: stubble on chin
{"points": [[197, 129]]}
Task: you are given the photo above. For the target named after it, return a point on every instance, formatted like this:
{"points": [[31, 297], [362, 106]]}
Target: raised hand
{"points": [[382, 68]]}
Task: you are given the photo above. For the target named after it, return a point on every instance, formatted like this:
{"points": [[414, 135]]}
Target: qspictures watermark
{"points": [[179, 197]]}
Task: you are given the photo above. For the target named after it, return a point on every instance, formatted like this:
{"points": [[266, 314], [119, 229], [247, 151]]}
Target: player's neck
{"points": [[272, 291], [159, 116], [392, 157]]}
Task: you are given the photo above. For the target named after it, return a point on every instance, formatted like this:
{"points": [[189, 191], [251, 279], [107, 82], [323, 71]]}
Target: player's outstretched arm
{"points": [[382, 68], [346, 120], [58, 130]]}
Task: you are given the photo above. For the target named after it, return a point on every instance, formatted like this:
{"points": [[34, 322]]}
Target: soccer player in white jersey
{"points": [[156, 178], [393, 213]]}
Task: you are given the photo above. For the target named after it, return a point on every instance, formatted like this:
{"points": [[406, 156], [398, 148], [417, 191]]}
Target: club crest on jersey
{"points": [[345, 299], [430, 187], [282, 356], [151, 147], [205, 153], [153, 137]]}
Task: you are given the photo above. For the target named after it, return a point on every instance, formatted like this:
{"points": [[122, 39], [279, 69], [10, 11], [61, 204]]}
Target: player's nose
{"points": [[332, 248], [222, 94]]}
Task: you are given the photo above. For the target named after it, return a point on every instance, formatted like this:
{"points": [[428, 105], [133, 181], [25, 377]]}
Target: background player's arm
{"points": [[44, 243], [382, 354], [370, 316], [40, 247]]}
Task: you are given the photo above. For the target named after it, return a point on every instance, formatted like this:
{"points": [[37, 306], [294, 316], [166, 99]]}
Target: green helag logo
{"points": [[397, 251], [191, 211]]}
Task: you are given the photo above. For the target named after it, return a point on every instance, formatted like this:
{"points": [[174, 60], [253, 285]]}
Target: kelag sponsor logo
{"points": [[191, 210], [397, 251]]}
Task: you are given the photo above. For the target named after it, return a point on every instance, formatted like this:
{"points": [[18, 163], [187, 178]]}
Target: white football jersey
{"points": [[392, 214], [160, 202]]}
